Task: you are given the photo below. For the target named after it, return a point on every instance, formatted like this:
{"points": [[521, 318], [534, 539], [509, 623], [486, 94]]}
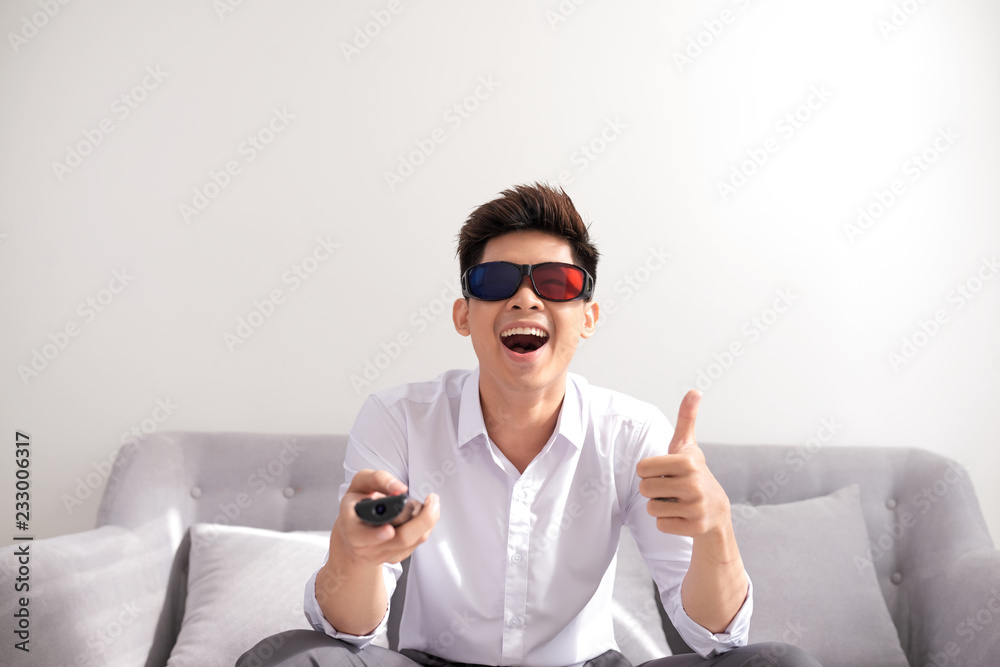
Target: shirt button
{"points": [[891, 503], [896, 578], [516, 558], [513, 622]]}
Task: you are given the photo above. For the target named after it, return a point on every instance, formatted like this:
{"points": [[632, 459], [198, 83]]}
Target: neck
{"points": [[521, 422]]}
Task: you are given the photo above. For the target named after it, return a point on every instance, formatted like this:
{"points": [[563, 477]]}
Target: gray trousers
{"points": [[309, 648]]}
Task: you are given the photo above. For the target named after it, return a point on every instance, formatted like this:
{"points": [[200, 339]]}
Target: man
{"points": [[528, 475]]}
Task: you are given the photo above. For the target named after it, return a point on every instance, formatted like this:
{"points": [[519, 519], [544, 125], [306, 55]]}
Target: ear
{"points": [[590, 314], [460, 316]]}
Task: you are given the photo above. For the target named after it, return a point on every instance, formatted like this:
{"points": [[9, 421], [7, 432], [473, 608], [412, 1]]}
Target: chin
{"points": [[529, 376], [522, 369]]}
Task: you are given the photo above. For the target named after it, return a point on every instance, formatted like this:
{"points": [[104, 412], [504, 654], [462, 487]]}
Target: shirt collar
{"points": [[570, 424]]}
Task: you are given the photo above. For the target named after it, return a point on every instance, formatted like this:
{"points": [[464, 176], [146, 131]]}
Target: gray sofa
{"points": [[204, 541]]}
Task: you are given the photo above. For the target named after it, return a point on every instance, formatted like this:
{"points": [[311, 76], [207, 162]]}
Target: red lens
{"points": [[558, 282]]}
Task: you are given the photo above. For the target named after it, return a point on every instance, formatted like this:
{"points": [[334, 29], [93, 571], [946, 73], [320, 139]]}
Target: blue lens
{"points": [[494, 280]]}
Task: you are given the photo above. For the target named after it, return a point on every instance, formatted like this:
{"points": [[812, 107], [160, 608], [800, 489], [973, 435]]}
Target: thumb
{"points": [[686, 415]]}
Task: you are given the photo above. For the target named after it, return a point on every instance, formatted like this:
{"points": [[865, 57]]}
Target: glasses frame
{"points": [[528, 270]]}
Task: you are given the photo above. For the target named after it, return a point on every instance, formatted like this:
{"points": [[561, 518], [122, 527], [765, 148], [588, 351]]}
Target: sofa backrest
{"points": [[291, 482], [894, 482], [163, 485], [277, 482]]}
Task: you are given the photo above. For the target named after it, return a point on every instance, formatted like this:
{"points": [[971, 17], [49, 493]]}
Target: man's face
{"points": [[509, 360]]}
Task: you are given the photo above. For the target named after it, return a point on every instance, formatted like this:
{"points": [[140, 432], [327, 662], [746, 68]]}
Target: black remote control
{"points": [[395, 510]]}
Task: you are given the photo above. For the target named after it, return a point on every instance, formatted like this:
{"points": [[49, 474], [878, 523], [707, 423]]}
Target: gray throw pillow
{"points": [[244, 584], [807, 589], [638, 627]]}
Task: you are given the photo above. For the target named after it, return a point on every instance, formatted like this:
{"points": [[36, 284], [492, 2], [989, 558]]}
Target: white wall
{"points": [[674, 131]]}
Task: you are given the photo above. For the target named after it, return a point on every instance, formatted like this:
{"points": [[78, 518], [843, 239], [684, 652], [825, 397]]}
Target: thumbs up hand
{"points": [[684, 496]]}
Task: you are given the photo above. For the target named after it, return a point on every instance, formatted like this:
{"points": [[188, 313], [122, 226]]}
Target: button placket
{"points": [[516, 584]]}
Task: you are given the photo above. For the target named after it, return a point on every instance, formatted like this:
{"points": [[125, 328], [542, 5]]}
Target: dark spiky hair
{"points": [[536, 207]]}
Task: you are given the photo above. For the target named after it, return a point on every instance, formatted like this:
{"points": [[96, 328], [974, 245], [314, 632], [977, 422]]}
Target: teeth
{"points": [[524, 330]]}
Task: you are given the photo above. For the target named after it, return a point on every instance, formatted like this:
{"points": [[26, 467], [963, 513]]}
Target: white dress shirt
{"points": [[519, 569]]}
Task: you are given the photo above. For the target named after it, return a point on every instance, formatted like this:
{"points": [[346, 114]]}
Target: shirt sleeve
{"points": [[376, 441], [699, 638], [669, 556], [314, 614]]}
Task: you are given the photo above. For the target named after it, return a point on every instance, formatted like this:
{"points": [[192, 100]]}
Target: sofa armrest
{"points": [[957, 610], [92, 598]]}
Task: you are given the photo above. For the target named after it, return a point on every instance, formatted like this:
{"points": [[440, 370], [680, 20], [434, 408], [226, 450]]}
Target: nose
{"points": [[525, 297]]}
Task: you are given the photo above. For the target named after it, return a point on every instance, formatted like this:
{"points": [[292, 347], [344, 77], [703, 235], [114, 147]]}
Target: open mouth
{"points": [[524, 339]]}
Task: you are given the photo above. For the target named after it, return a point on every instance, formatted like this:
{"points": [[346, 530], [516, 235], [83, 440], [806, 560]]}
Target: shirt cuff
{"points": [[704, 642], [314, 614]]}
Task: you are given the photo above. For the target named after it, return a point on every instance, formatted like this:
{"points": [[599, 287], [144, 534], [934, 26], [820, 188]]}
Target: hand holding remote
{"points": [[392, 510], [350, 586], [380, 542]]}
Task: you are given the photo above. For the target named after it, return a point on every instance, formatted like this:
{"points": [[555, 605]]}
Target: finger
{"points": [[355, 534], [376, 481], [686, 416], [668, 465], [664, 487], [675, 526], [362, 535], [664, 509], [367, 483], [419, 527]]}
